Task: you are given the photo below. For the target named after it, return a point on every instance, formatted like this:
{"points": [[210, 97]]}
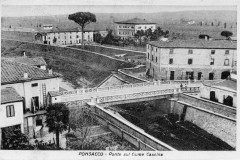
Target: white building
{"points": [[191, 59], [47, 26], [65, 36], [11, 112], [224, 92], [32, 84], [128, 28]]}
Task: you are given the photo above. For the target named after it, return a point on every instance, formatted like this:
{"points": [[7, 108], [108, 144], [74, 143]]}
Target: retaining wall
{"points": [[130, 132]]}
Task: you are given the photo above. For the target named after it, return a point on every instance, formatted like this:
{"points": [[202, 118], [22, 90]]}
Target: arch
{"points": [[225, 74], [212, 96], [228, 101]]}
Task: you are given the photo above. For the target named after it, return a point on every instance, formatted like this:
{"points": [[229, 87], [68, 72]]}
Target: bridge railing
{"points": [[126, 86]]}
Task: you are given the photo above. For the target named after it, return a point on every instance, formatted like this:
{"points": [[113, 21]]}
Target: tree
{"points": [[57, 119], [139, 35], [97, 38], [82, 19], [80, 122], [226, 34], [16, 140]]}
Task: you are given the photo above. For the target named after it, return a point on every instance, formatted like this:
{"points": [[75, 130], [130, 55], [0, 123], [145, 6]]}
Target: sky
{"points": [[45, 9]]}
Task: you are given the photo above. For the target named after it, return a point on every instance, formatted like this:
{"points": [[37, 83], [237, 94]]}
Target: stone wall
{"points": [[222, 128], [205, 118], [208, 105]]}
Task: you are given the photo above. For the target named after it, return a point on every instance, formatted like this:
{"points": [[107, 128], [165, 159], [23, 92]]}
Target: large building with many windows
{"points": [[191, 59], [128, 28], [64, 36]]}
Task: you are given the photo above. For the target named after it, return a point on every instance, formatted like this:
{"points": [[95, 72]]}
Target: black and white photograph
{"points": [[103, 80]]}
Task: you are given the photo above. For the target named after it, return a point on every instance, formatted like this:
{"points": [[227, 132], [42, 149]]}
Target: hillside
{"points": [[82, 69]]}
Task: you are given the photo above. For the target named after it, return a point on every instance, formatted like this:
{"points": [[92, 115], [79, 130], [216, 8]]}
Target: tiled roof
{"points": [[127, 79], [36, 61], [12, 72], [135, 69], [124, 78], [57, 30], [135, 21], [211, 44], [9, 95]]}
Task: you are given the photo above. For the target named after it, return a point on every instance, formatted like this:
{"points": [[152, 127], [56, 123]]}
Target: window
{"points": [[10, 111], [34, 84], [156, 49], [148, 55], [171, 61], [190, 61], [171, 51], [152, 57], [212, 51], [227, 52], [212, 61], [156, 59], [226, 62], [77, 36], [190, 51]]}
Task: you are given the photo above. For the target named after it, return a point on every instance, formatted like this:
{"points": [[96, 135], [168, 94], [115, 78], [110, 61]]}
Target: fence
{"points": [[129, 132]]}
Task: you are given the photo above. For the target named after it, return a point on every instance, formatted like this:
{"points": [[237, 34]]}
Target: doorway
{"points": [[211, 76], [225, 74], [199, 75], [172, 75], [189, 75]]}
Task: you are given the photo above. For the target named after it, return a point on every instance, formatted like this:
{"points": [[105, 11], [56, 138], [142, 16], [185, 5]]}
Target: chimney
{"points": [[50, 71], [25, 75], [24, 54]]}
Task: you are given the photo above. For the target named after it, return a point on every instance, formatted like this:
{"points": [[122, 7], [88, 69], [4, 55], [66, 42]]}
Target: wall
{"points": [[208, 116], [201, 62], [208, 105], [222, 128], [219, 94], [128, 131], [11, 121], [27, 91]]}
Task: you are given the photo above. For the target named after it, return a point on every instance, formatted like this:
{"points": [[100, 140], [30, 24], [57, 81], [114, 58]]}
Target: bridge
{"points": [[204, 113], [124, 92]]}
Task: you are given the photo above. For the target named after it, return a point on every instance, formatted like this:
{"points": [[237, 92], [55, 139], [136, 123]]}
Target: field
{"points": [[82, 69], [134, 57]]}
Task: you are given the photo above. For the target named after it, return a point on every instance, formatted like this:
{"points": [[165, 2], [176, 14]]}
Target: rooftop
{"points": [[13, 72], [57, 30], [199, 43], [135, 21], [124, 78], [9, 95], [228, 84], [36, 61]]}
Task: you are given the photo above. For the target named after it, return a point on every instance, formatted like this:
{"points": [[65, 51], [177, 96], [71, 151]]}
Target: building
{"points": [[34, 61], [47, 26], [11, 112], [119, 78], [128, 28], [224, 92], [32, 84], [191, 59], [64, 36]]}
